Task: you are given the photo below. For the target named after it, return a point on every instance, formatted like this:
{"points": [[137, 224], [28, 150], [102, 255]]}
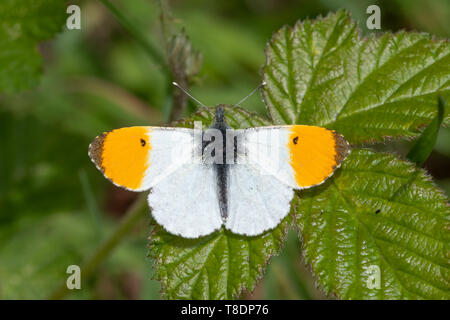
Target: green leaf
{"points": [[220, 265], [23, 25], [377, 211], [323, 73], [425, 144]]}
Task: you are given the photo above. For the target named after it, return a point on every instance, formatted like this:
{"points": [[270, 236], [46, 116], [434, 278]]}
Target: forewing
{"points": [[299, 156], [137, 158]]}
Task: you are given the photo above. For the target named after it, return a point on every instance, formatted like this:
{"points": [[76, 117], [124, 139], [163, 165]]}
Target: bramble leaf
{"points": [[323, 73], [220, 265], [378, 214], [23, 24]]}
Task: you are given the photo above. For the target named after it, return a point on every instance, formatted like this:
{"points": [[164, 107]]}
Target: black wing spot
{"points": [[143, 142], [295, 140], [378, 211]]}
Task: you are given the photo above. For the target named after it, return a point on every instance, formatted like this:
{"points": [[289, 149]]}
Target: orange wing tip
{"points": [[315, 154], [122, 156]]}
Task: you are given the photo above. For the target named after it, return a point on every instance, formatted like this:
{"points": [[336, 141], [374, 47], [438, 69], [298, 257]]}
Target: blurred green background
{"points": [[56, 208]]}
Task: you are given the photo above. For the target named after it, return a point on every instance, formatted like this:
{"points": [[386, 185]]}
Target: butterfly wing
{"points": [[272, 161], [186, 202], [256, 202], [297, 155], [183, 197], [137, 158]]}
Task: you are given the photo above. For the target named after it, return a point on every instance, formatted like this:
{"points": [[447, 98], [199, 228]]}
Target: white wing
{"points": [[272, 161], [256, 202], [185, 203]]}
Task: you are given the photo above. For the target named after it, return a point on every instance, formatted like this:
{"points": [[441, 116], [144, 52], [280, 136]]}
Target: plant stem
{"points": [[145, 42], [179, 99], [134, 214]]}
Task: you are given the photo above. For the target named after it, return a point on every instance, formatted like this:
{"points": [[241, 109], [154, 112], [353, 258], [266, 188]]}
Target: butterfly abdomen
{"points": [[221, 166]]}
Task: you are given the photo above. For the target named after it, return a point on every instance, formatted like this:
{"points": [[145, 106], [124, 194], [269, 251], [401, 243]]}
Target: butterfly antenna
{"points": [[188, 94], [193, 98], [250, 94]]}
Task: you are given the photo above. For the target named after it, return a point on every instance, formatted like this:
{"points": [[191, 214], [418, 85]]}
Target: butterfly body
{"points": [[199, 181], [222, 169]]}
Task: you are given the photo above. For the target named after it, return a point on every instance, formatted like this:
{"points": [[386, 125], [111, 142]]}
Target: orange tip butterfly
{"points": [[201, 180]]}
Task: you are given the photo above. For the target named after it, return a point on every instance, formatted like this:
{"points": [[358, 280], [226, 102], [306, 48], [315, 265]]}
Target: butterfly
{"points": [[201, 180]]}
